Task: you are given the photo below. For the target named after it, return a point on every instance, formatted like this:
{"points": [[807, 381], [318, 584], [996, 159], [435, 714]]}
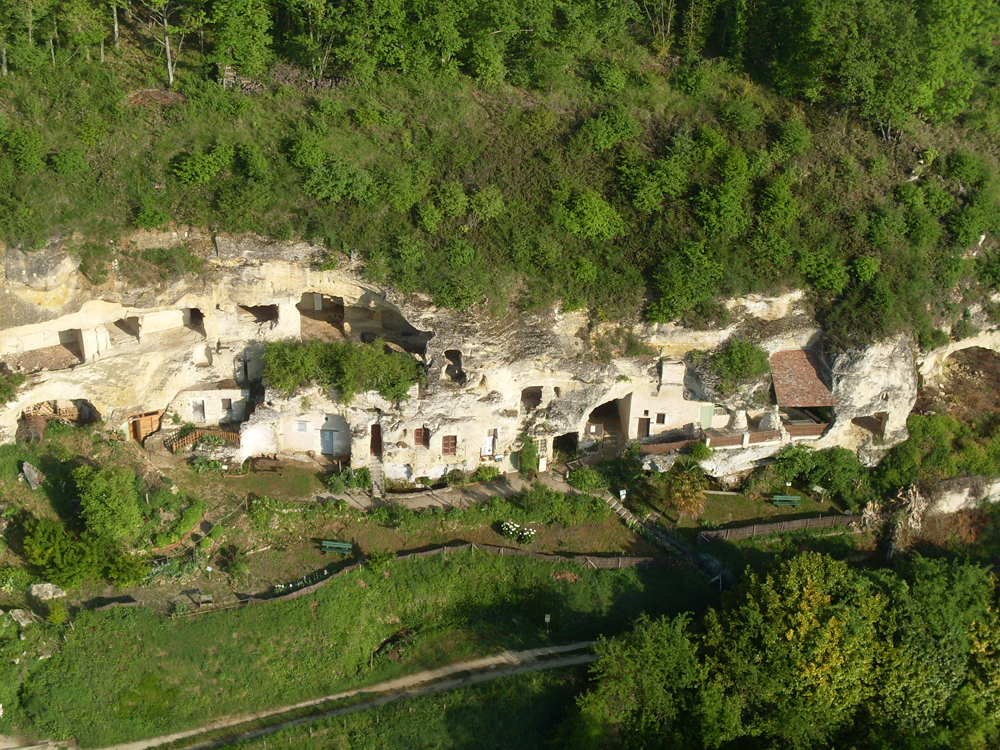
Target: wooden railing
{"points": [[806, 430], [779, 527], [180, 443]]}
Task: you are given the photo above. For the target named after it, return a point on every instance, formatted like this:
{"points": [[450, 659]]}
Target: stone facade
{"points": [[194, 347]]}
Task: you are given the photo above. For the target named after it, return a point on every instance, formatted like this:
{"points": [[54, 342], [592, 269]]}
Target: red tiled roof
{"points": [[796, 379]]}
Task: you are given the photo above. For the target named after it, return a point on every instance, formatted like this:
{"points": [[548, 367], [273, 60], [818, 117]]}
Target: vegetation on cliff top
{"points": [[616, 156]]}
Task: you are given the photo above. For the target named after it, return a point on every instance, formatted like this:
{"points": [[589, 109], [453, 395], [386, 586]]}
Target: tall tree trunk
{"points": [[3, 56], [114, 20], [166, 46], [102, 52]]}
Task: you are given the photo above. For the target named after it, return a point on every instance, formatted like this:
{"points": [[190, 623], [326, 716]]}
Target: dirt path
{"points": [[484, 669]]}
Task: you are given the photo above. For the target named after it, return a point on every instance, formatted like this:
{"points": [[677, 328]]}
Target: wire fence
{"points": [[779, 527]]}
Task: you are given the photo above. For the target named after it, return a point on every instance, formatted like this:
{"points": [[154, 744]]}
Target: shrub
{"points": [[527, 457], [794, 135], [204, 465], [737, 362], [9, 383], [57, 613], [63, 559], [69, 162], [486, 473], [334, 482], [586, 479], [109, 502], [199, 168], [261, 512], [588, 216], [353, 368], [455, 478], [520, 534], [188, 519], [27, 149], [126, 570], [699, 451], [14, 580]]}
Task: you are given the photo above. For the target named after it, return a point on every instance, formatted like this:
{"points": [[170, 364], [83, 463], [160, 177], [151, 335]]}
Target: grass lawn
{"points": [[129, 673], [511, 713]]}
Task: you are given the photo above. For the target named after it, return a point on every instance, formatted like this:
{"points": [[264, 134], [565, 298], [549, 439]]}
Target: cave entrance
{"points": [[566, 446], [124, 331], [31, 425], [372, 318], [531, 398], [606, 420], [321, 317], [194, 319], [257, 314], [453, 370], [875, 424]]}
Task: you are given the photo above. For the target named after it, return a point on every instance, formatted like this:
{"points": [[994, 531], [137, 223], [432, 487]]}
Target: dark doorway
{"points": [[531, 398], [567, 444], [643, 427], [376, 442], [454, 368]]}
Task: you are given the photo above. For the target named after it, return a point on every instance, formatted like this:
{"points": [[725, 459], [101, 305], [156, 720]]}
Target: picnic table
{"points": [[786, 500]]}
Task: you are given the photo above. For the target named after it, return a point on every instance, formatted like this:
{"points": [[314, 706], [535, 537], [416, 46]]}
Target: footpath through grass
{"points": [[515, 713], [127, 673]]}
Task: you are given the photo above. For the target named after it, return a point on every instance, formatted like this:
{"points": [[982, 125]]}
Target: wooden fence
{"points": [[779, 527], [590, 561], [194, 436], [764, 436]]}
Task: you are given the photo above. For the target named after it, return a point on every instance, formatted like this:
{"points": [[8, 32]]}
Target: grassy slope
{"points": [[515, 713], [171, 674]]}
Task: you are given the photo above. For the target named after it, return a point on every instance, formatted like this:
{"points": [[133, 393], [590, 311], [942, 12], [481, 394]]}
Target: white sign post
{"points": [[548, 619], [621, 494]]}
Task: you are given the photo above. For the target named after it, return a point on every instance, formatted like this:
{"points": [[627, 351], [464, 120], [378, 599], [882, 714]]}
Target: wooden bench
{"points": [[788, 500], [344, 548]]}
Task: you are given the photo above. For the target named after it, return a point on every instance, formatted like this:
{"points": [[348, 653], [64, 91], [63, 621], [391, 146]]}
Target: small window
{"points": [[449, 445], [646, 413], [422, 437], [661, 419], [227, 404], [302, 426], [720, 411]]}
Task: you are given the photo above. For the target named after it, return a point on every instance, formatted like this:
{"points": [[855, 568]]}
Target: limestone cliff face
{"points": [[131, 349]]}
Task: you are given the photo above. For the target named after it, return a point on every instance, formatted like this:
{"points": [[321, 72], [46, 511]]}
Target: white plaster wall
{"points": [[212, 398]]}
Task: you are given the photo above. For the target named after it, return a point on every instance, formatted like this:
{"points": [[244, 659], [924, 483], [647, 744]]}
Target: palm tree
{"points": [[684, 487]]}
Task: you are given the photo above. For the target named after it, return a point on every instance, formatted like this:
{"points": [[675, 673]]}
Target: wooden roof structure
{"points": [[797, 382]]}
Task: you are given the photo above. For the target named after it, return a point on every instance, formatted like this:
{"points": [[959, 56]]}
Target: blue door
{"points": [[326, 441]]}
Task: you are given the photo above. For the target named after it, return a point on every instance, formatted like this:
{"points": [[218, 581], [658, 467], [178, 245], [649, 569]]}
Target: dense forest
{"points": [[812, 654], [618, 156]]}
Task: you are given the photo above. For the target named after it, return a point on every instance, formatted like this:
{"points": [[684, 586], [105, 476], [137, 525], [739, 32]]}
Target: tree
{"points": [[242, 35], [161, 13], [684, 487], [63, 559], [110, 503]]}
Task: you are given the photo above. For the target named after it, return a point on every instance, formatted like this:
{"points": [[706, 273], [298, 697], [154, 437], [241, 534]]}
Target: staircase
{"points": [[668, 543], [378, 478]]}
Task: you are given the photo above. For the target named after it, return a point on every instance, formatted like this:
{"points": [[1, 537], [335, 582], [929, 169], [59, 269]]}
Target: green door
{"points": [[707, 410]]}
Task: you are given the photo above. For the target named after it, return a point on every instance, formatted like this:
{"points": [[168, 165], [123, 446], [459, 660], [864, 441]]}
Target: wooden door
{"points": [[376, 444], [644, 427]]}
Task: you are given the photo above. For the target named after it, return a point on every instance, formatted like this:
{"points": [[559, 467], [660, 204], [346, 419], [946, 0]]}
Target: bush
{"points": [[57, 613], [205, 465], [9, 383], [14, 580], [520, 534], [126, 570], [738, 362], [188, 519], [353, 368], [199, 168], [65, 560], [586, 479], [527, 457], [261, 512], [109, 502], [699, 451], [486, 473]]}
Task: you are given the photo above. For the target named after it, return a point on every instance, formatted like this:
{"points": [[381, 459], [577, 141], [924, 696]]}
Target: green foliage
{"points": [[527, 457], [9, 383], [62, 559], [261, 512], [335, 180], [200, 168], [588, 216], [26, 148], [126, 570], [684, 278], [109, 503], [348, 478], [847, 481], [14, 580], [738, 362], [586, 479], [205, 465], [485, 473], [352, 368], [699, 451], [57, 613], [813, 654], [190, 517]]}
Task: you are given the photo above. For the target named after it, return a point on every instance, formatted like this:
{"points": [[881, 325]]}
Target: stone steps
{"points": [[378, 478]]}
